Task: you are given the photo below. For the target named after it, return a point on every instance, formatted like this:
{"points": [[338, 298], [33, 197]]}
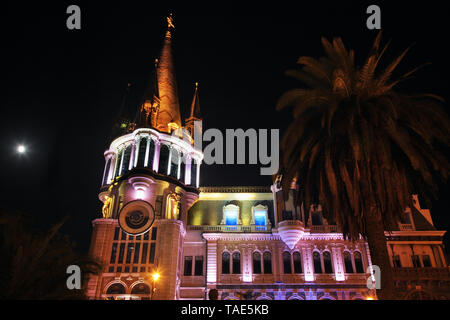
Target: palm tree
{"points": [[34, 263], [360, 148]]}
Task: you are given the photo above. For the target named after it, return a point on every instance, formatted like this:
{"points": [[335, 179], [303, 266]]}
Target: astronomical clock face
{"points": [[136, 217]]}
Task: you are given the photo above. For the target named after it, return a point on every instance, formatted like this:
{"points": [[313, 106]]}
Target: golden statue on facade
{"points": [[106, 208]]}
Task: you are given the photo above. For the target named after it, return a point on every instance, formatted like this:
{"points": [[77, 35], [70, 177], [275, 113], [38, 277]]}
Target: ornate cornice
{"points": [[239, 189]]}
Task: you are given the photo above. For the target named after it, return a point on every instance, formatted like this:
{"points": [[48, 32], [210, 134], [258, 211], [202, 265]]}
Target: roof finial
{"points": [[170, 25], [195, 106], [170, 21]]}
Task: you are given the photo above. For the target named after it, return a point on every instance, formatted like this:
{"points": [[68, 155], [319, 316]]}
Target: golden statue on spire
{"points": [[170, 21], [170, 26]]}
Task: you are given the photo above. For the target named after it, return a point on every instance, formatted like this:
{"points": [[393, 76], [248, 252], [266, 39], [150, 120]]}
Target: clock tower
{"points": [[150, 180]]}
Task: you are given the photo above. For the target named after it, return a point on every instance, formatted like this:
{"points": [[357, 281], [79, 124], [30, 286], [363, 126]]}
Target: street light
{"points": [[155, 277]]}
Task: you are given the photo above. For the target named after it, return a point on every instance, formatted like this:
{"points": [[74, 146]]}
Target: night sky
{"points": [[63, 88]]}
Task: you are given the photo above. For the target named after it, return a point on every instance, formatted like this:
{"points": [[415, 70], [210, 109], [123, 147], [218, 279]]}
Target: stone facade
{"points": [[245, 242]]}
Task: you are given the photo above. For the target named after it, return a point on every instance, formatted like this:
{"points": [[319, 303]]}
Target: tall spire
{"points": [[194, 116], [169, 110], [195, 106]]}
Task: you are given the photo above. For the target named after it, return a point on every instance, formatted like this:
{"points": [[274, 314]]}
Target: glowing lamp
{"points": [[369, 298], [155, 276], [140, 193], [247, 278]]}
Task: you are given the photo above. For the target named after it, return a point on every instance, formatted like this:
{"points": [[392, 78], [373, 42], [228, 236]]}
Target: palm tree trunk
{"points": [[379, 254]]}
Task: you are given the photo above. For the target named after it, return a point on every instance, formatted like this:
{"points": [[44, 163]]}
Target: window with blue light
{"points": [[231, 217], [260, 217]]}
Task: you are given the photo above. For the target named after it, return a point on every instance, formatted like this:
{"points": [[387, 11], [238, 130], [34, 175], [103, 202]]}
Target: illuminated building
{"points": [[246, 242]]}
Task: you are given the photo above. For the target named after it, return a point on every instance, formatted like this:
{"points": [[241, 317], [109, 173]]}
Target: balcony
{"points": [[236, 228], [290, 223]]}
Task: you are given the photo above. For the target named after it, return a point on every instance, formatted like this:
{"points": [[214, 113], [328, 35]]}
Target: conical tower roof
{"points": [[169, 109]]}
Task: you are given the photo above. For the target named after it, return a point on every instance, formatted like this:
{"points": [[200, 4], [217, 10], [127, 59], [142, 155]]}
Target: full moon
{"points": [[21, 149]]}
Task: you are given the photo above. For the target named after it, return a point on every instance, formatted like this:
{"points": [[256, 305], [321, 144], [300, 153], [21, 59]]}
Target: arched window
{"points": [[236, 263], [117, 165], [317, 263], [182, 167], [267, 259], [140, 154], [140, 288], [358, 262], [225, 263], [164, 159], [256, 263], [327, 262], [105, 176], [287, 263], [194, 173], [297, 262], [126, 160], [231, 215], [316, 217], [116, 288], [150, 153], [348, 262], [260, 215], [174, 162]]}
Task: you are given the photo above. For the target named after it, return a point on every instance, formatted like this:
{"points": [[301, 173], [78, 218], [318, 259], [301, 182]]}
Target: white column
{"points": [[138, 143], [338, 263], [147, 151], [273, 188], [198, 174], [121, 161], [308, 263], [246, 264], [187, 171], [111, 168], [169, 163], [211, 260], [108, 157], [156, 156], [179, 165], [130, 165]]}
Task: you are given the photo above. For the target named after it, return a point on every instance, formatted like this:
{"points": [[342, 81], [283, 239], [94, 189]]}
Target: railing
{"points": [[290, 223], [225, 228], [422, 273], [324, 229]]}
